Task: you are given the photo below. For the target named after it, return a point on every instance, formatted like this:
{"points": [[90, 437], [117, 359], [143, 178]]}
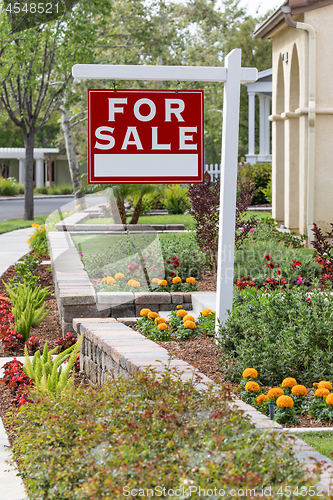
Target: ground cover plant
{"points": [[144, 432], [280, 332]]}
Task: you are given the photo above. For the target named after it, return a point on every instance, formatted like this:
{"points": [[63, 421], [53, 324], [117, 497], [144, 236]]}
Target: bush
{"points": [[10, 187], [61, 189], [192, 259], [141, 432], [176, 199], [260, 174], [38, 240], [281, 334]]}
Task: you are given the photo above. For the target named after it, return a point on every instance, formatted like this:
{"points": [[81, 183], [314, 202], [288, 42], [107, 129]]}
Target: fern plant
{"points": [[51, 375], [28, 307]]}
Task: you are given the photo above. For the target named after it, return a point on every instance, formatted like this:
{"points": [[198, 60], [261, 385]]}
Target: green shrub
{"points": [[141, 432], [10, 187], [279, 333], [260, 174], [61, 189], [25, 273], [38, 240], [176, 199], [41, 190], [192, 259]]}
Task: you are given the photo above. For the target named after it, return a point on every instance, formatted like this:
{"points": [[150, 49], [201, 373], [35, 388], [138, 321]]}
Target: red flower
{"points": [[270, 265], [279, 272], [268, 257]]}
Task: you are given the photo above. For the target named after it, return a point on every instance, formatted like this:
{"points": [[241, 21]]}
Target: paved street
{"points": [[13, 208]]}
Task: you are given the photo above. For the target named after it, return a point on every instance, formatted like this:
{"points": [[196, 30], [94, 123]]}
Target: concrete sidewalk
{"points": [[13, 245]]}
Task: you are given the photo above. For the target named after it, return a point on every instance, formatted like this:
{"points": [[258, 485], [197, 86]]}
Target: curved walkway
{"points": [[13, 245]]}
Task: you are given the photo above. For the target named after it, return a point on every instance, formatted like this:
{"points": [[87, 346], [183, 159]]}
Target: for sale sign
{"points": [[145, 136]]}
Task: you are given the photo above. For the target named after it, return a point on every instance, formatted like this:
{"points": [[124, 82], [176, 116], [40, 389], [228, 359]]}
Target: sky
{"points": [[263, 5]]}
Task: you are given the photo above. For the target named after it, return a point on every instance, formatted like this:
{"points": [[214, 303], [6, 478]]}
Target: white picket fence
{"points": [[214, 171]]}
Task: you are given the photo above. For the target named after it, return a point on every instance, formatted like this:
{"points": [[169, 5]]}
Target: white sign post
{"points": [[232, 75]]}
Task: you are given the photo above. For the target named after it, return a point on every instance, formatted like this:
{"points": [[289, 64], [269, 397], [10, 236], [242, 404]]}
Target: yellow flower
{"points": [[324, 384], [289, 382], [205, 312], [32, 235], [153, 315], [135, 284], [250, 372], [176, 280], [119, 276], [315, 384], [190, 324], [179, 307], [144, 312], [160, 320], [104, 279], [299, 390], [322, 393], [162, 326], [188, 317], [285, 402], [155, 280], [110, 280], [28, 242], [78, 206], [130, 282], [252, 386], [275, 392], [35, 225], [190, 280], [162, 283], [260, 399], [329, 399], [181, 313]]}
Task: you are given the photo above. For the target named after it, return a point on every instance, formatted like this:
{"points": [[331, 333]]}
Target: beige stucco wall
{"points": [[292, 205]]}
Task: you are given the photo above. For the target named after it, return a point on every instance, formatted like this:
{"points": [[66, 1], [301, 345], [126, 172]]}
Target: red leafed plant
{"points": [[324, 251], [9, 338], [67, 341], [205, 200], [19, 383], [33, 345]]}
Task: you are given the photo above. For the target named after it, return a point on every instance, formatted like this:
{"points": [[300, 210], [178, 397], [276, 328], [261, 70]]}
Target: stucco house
{"points": [[302, 112]]}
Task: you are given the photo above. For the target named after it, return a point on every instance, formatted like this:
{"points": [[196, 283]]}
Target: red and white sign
{"points": [[145, 136]]}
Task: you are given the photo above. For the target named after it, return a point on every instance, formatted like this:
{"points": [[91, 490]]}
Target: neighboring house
{"points": [[302, 113], [50, 166]]}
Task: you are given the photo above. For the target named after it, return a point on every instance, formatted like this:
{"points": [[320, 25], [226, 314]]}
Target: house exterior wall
{"points": [[290, 170], [14, 169]]}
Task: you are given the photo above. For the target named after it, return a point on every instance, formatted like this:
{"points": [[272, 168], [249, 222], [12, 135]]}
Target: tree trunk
{"points": [[137, 212], [29, 141], [121, 208], [71, 154]]}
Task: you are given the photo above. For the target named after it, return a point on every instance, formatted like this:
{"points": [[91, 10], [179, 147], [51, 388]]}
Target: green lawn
{"points": [[13, 224], [320, 441]]}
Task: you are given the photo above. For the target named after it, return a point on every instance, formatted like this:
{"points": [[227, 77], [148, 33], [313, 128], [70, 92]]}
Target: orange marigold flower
{"points": [[190, 280], [119, 276], [155, 280], [260, 399], [145, 312], [158, 321], [315, 384], [153, 315], [130, 282], [285, 402], [250, 372], [299, 390], [104, 279], [289, 382], [252, 386], [135, 284], [162, 326], [181, 313], [322, 392], [179, 307], [110, 280], [190, 324], [205, 312], [275, 392], [329, 399], [324, 384], [188, 317], [176, 280], [162, 283]]}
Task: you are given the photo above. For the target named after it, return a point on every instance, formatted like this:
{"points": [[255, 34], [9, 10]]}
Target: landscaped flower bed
{"points": [[290, 400]]}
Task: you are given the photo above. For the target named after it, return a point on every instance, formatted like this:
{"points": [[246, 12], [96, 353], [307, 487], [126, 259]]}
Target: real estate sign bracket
{"points": [[232, 75]]}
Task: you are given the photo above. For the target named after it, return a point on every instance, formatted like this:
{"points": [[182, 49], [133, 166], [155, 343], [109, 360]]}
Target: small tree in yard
{"points": [[35, 70], [205, 199]]}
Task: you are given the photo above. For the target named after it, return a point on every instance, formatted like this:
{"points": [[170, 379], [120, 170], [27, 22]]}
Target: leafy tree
{"points": [[35, 69]]}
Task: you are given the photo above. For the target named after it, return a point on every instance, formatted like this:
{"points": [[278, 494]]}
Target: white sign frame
{"points": [[232, 75]]}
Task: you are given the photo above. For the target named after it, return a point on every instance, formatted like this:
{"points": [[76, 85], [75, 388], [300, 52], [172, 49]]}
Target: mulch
{"points": [[200, 352]]}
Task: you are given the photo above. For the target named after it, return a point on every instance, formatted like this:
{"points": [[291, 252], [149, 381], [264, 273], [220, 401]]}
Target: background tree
{"points": [[35, 69]]}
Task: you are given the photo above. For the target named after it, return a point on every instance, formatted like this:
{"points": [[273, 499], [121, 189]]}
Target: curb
{"points": [[37, 197]]}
